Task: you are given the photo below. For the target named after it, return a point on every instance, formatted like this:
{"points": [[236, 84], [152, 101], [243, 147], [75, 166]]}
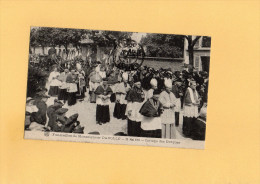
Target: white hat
{"points": [[168, 83], [153, 82], [125, 76]]}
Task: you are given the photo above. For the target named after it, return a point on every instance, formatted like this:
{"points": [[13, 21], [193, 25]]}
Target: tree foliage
{"points": [[163, 45], [109, 38], [46, 36]]}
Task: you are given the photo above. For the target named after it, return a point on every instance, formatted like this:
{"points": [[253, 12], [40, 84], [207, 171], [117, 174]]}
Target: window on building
{"points": [[205, 63], [206, 41], [197, 44], [197, 62]]}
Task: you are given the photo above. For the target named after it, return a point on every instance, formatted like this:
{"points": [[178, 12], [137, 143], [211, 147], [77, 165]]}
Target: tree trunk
{"points": [[66, 49], [191, 56], [191, 44]]}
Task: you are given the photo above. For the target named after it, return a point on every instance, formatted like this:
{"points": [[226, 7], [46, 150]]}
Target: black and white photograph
{"points": [[117, 87]]}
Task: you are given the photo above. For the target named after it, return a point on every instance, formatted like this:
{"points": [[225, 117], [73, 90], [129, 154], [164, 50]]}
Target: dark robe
{"points": [[205, 94], [69, 124], [68, 128], [40, 115], [134, 127], [160, 83], [198, 129], [102, 91], [52, 115], [79, 129], [176, 91], [135, 95], [102, 111], [146, 82], [149, 110], [120, 107], [27, 120], [71, 96]]}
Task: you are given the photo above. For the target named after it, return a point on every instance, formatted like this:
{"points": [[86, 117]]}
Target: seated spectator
{"points": [[30, 108], [51, 113], [40, 116], [61, 119], [70, 124], [78, 129]]}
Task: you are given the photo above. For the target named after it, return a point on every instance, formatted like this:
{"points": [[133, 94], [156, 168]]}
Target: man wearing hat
{"points": [[135, 99], [103, 93], [191, 105], [168, 101], [121, 91], [40, 115], [176, 90]]}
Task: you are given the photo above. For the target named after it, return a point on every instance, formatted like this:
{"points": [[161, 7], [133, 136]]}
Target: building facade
{"points": [[201, 53]]}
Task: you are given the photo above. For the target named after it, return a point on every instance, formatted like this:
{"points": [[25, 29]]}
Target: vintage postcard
{"points": [[132, 88]]}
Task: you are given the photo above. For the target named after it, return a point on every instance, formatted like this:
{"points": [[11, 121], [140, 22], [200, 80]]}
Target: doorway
{"points": [[205, 63]]}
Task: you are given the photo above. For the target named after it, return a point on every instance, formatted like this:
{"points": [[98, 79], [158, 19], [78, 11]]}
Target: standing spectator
{"points": [[102, 72], [95, 80], [153, 83], [72, 87], [191, 104], [81, 84], [151, 110], [178, 94], [121, 102], [168, 101], [54, 83], [63, 87], [199, 126], [135, 98], [103, 93]]}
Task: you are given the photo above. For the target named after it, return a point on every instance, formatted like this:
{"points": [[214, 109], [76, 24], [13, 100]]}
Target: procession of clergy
{"points": [[149, 100]]}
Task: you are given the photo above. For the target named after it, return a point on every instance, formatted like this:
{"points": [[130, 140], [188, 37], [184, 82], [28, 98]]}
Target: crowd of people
{"points": [[151, 101]]}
